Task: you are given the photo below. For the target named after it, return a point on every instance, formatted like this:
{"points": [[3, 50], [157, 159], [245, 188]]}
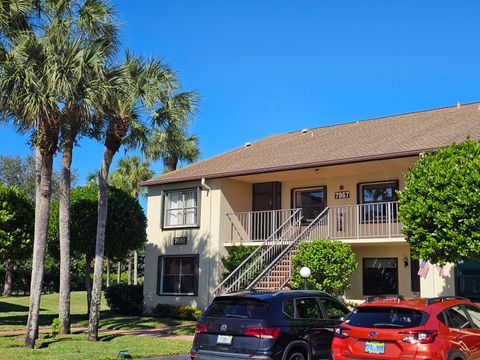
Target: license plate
{"points": [[224, 339], [375, 347]]}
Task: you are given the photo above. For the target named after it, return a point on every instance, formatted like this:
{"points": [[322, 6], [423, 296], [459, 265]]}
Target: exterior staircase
{"points": [[269, 266]]}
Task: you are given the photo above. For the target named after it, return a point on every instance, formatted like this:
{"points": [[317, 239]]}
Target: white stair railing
{"points": [[317, 229], [264, 254]]}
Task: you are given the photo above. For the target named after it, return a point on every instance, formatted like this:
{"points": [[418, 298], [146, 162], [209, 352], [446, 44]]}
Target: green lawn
{"points": [[77, 347], [13, 316], [14, 312]]}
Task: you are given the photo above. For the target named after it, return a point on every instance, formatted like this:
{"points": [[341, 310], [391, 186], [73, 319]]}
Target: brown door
{"points": [[266, 197]]}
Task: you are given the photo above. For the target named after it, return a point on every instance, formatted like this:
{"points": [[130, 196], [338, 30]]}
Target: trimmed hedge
{"points": [[125, 299], [182, 312]]}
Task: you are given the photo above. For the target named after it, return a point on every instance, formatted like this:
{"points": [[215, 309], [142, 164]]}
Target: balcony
{"points": [[349, 222]]}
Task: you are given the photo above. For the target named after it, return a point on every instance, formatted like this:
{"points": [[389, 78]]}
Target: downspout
{"points": [[207, 188]]}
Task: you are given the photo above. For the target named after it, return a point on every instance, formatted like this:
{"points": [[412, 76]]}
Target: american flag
{"points": [[441, 270], [424, 269]]}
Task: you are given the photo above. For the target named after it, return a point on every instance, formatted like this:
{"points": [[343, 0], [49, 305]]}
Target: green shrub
{"points": [[125, 299], [331, 262], [183, 312], [236, 254]]}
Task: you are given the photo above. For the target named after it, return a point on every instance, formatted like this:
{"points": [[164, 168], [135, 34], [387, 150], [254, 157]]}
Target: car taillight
{"points": [[193, 354], [340, 333], [419, 336], [263, 332], [200, 328]]}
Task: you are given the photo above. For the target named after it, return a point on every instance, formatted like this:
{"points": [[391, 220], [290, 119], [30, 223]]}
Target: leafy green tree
{"points": [[120, 236], [332, 264], [440, 204], [16, 230], [131, 170]]}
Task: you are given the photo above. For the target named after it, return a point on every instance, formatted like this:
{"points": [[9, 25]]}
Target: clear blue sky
{"points": [[271, 66]]}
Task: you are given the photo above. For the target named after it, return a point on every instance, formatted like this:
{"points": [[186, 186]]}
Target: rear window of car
{"points": [[386, 317], [237, 308]]}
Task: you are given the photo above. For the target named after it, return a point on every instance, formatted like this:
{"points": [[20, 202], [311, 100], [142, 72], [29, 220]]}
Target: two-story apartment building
{"points": [[335, 182]]}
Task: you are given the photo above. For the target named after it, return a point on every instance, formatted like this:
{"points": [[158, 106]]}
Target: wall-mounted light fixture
{"points": [[405, 261]]}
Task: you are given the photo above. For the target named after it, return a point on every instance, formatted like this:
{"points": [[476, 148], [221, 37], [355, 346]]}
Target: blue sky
{"points": [[271, 66]]}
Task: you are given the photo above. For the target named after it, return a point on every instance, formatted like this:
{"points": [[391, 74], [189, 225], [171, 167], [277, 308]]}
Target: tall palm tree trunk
{"points": [[129, 269], [135, 267], [7, 286], [108, 274], [171, 163], [64, 222], [42, 211], [119, 272], [100, 245], [88, 282]]}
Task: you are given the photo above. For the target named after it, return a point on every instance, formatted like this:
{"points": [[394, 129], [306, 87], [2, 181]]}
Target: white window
{"points": [[181, 208]]}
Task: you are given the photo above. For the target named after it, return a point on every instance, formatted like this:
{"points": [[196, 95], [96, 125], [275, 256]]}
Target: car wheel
{"points": [[296, 355]]}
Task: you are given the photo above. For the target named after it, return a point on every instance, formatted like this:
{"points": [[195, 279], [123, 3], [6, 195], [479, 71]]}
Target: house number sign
{"points": [[342, 195], [180, 240]]}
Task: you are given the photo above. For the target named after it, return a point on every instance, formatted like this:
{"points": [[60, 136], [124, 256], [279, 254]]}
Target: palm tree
{"points": [[39, 67], [173, 145], [170, 141], [138, 86], [130, 172], [77, 117]]}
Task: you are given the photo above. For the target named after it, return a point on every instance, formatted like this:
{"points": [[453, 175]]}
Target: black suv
{"points": [[284, 325]]}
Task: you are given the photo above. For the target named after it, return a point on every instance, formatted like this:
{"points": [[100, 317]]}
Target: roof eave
{"points": [[356, 159]]}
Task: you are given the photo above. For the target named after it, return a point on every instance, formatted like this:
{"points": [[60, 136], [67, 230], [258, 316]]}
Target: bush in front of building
{"points": [[331, 262], [182, 312], [440, 204], [125, 299], [236, 255]]}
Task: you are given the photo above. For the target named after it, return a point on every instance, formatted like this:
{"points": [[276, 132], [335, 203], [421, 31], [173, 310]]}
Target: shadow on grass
{"points": [[118, 322], [109, 337], [46, 342], [44, 319], [7, 307]]}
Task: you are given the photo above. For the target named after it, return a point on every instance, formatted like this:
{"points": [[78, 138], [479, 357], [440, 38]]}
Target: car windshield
{"points": [[385, 317], [237, 308]]}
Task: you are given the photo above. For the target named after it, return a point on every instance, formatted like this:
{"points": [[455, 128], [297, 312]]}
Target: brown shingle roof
{"points": [[388, 137]]}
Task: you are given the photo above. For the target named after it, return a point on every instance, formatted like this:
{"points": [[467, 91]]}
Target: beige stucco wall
{"points": [[385, 250], [203, 241], [436, 285]]}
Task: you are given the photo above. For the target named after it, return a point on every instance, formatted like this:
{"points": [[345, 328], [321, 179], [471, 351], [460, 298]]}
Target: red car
{"points": [[446, 328]]}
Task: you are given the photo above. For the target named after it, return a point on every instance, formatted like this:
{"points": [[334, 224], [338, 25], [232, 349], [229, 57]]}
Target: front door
{"points": [[266, 197]]}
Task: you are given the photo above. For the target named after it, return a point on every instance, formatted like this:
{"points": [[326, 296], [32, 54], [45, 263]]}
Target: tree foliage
{"points": [[16, 223], [131, 170], [440, 204], [126, 223], [331, 262]]}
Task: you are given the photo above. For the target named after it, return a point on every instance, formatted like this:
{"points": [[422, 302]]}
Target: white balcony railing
{"points": [[256, 225], [378, 220]]}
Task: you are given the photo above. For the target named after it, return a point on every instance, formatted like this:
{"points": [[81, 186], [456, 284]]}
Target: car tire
{"points": [[296, 355]]}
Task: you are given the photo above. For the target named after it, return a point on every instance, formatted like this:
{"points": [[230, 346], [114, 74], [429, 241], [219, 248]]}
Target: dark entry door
{"points": [[468, 279], [266, 197]]}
